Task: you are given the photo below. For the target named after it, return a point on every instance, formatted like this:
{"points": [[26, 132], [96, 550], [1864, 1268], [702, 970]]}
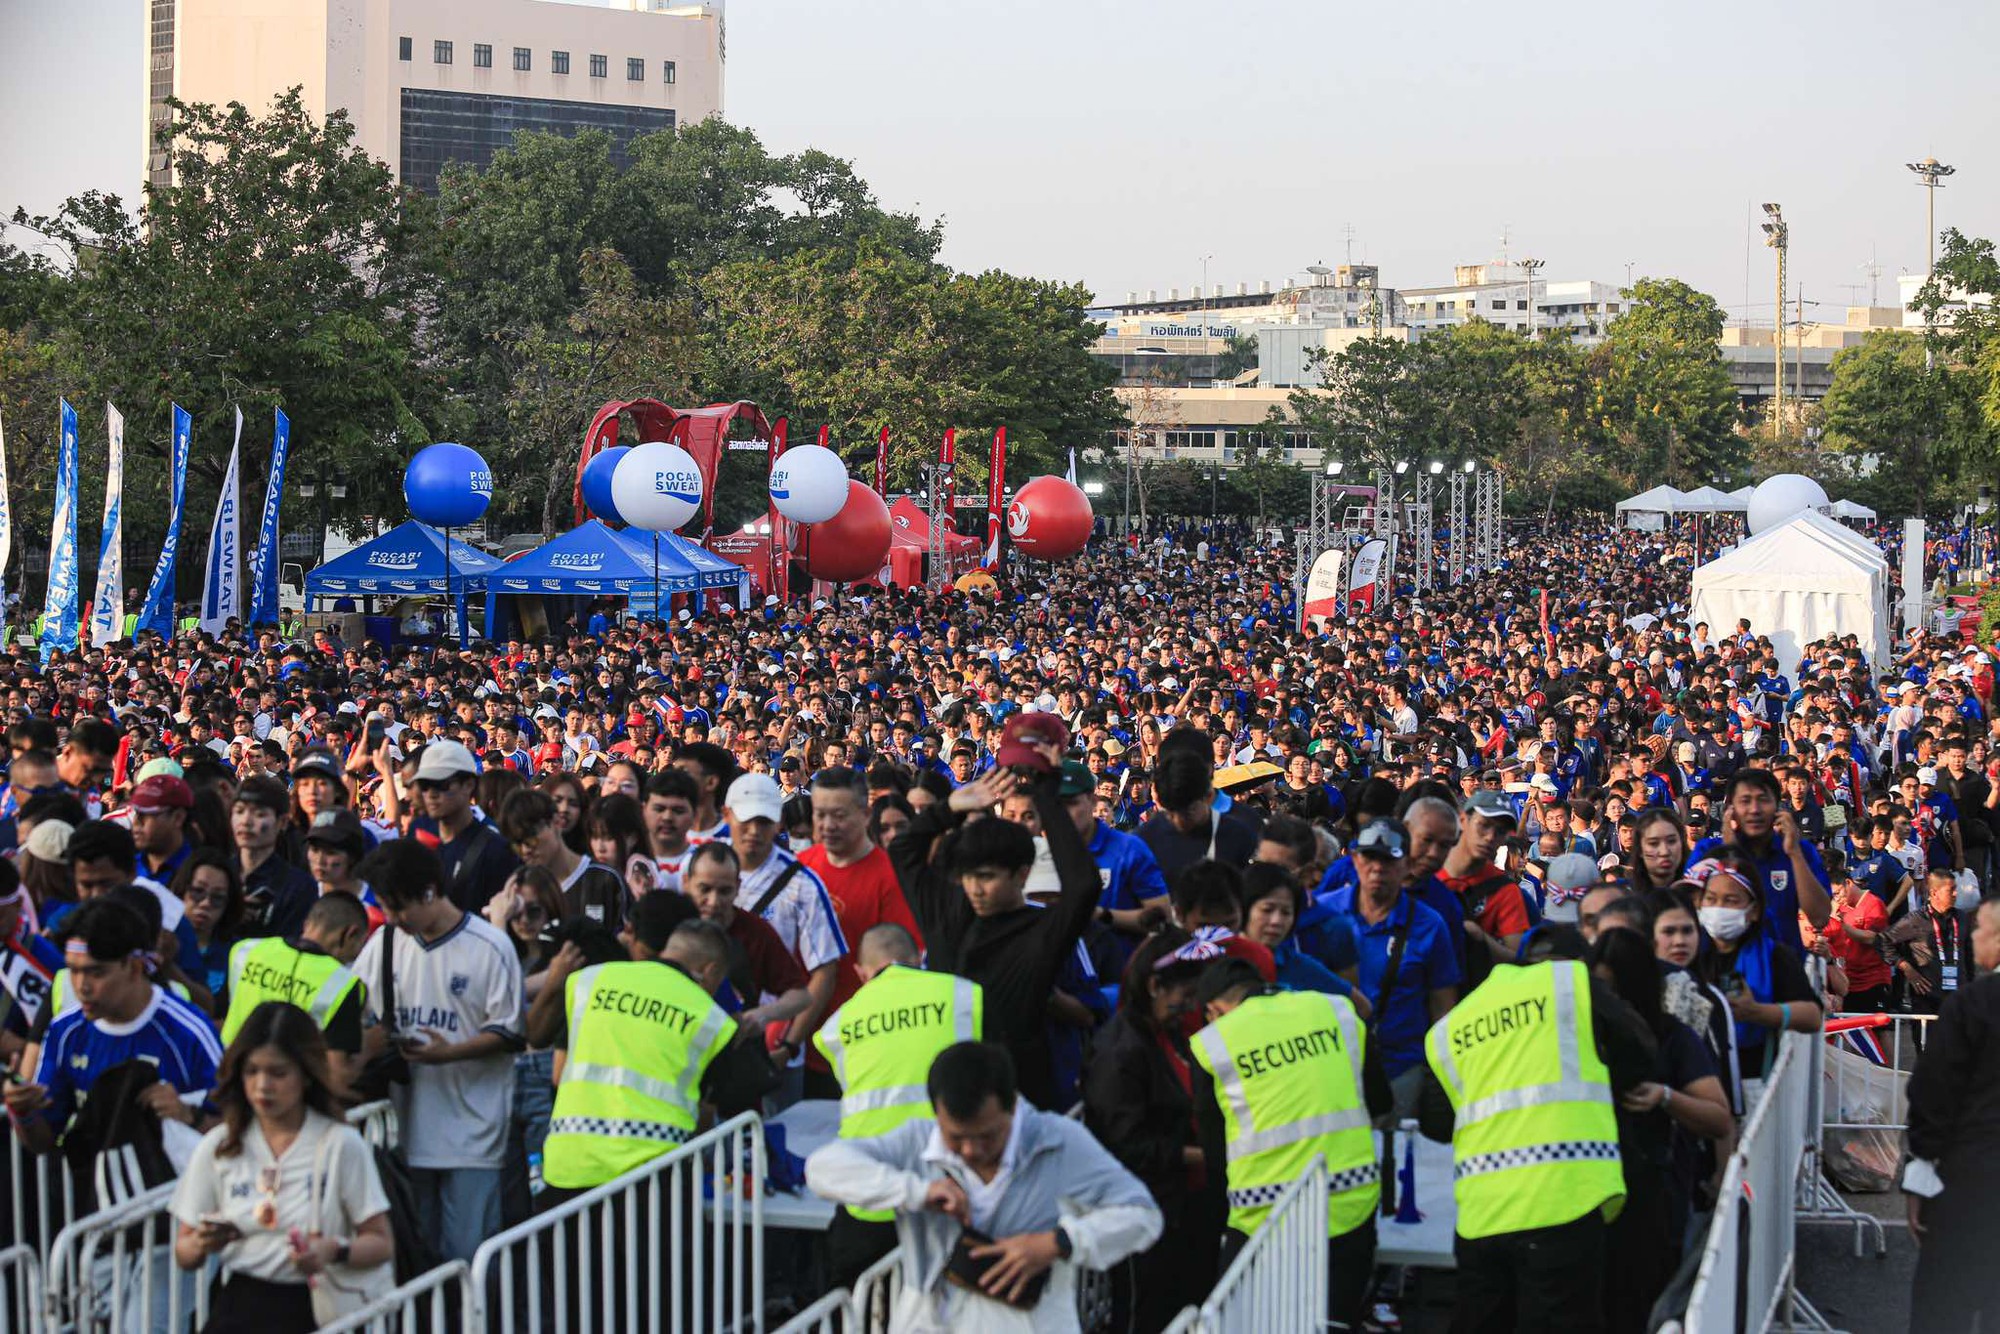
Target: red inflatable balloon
{"points": [[1050, 519], [853, 543]]}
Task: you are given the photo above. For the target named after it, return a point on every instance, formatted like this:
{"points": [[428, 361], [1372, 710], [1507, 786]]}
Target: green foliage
{"points": [[1662, 397], [1902, 427]]}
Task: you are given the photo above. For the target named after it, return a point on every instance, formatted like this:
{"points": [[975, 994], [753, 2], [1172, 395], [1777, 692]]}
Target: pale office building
{"points": [[427, 82]]}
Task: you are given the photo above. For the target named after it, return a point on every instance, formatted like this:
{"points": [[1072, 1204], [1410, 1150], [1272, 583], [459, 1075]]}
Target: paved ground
{"points": [[1868, 1295]]}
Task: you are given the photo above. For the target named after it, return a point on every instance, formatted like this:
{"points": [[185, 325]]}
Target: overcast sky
{"points": [[1118, 143]]}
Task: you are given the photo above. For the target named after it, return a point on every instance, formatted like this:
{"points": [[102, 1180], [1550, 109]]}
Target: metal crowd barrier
{"points": [[831, 1314], [1747, 1267], [377, 1123], [1278, 1282], [425, 1304], [114, 1270], [553, 1272], [20, 1286], [876, 1293], [44, 1191]]}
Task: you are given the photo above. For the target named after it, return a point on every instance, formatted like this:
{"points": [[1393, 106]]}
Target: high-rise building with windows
{"points": [[428, 82]]}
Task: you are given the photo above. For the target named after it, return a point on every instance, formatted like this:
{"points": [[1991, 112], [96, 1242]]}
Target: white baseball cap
{"points": [[445, 759], [754, 797]]}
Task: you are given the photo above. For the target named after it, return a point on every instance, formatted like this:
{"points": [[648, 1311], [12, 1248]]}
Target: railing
{"points": [[1860, 1112], [556, 1271], [1278, 1282], [20, 1286], [876, 1293], [425, 1304], [1746, 1275], [831, 1314], [116, 1267], [377, 1123], [44, 1193]]}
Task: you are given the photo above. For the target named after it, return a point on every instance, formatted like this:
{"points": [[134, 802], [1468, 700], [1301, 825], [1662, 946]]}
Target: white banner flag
{"points": [[107, 604], [222, 583]]}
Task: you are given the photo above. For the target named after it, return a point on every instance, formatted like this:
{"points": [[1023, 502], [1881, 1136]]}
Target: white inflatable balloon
{"points": [[1779, 499], [657, 487], [809, 484]]}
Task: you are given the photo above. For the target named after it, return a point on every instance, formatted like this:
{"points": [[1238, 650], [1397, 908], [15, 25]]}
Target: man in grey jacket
{"points": [[1051, 1198]]}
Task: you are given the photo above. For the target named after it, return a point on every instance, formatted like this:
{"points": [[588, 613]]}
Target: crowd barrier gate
{"points": [[423, 1304]]}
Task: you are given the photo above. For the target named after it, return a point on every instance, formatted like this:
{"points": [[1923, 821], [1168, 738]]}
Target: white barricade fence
{"points": [[696, 1213], [876, 1293], [114, 1271], [1746, 1276], [430, 1303], [20, 1287], [44, 1196], [377, 1123], [1278, 1282], [1187, 1322], [831, 1314]]}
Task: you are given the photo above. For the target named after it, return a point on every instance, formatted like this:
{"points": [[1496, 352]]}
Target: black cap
{"points": [[1381, 838], [1227, 975]]}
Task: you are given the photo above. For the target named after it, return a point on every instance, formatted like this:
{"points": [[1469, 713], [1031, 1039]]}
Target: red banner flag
{"points": [[882, 465], [942, 502], [996, 497], [825, 434]]}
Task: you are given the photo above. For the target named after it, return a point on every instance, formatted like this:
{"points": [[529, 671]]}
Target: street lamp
{"points": [[1778, 237], [1402, 466], [1093, 488], [1930, 175], [1470, 466], [1333, 468], [1436, 467]]}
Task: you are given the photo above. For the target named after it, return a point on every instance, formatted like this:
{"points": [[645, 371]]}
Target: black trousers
{"points": [[853, 1244], [1957, 1282], [1350, 1263], [1543, 1281], [246, 1305], [1179, 1270]]}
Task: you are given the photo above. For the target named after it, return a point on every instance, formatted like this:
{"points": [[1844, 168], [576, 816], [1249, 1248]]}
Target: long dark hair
{"points": [[578, 835], [1135, 994], [293, 1032], [225, 862], [1635, 972], [1636, 865]]}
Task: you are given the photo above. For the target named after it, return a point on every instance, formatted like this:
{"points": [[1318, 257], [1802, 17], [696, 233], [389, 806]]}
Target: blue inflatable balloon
{"points": [[447, 486], [597, 483]]}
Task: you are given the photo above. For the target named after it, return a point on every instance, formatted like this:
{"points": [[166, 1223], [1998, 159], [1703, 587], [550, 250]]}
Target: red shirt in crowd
{"points": [[864, 894], [1866, 968], [1493, 901]]}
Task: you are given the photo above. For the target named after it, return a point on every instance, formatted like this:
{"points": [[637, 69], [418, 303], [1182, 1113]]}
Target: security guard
{"points": [[1294, 1079], [310, 972], [644, 1044], [1530, 1065], [881, 1045]]}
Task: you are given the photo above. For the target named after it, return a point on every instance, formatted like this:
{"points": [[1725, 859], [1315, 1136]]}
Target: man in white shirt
{"points": [[458, 1023], [783, 890]]}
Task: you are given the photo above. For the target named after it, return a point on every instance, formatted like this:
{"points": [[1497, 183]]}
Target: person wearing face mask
{"points": [[1763, 979]]}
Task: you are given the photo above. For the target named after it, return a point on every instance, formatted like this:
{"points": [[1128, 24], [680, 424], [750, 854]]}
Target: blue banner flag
{"points": [[264, 560], [107, 604], [158, 615], [222, 581], [59, 611]]}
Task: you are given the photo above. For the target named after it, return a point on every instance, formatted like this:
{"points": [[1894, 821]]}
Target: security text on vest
{"points": [[644, 1007], [1504, 1020], [1255, 1061], [891, 1021]]}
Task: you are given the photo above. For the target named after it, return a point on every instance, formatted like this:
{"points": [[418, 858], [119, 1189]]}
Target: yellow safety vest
{"points": [[640, 1037], [61, 1002], [1287, 1071], [270, 969], [881, 1045], [1536, 1141]]}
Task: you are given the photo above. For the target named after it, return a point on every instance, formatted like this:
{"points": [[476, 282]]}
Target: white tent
{"points": [[1802, 581], [1847, 509], [1740, 498], [1647, 508], [1708, 500]]}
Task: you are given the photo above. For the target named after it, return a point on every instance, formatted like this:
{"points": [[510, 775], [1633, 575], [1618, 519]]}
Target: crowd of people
{"points": [[1123, 836]]}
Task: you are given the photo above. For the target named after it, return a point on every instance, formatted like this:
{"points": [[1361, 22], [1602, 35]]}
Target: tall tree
{"points": [[1663, 395], [1904, 427]]}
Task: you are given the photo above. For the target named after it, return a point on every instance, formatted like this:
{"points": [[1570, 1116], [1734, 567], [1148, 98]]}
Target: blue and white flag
{"points": [[158, 613], [222, 580], [107, 604], [1070, 476], [264, 560], [59, 609]]}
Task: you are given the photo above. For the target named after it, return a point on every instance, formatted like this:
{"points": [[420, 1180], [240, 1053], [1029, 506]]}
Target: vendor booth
{"points": [[596, 560], [1800, 582], [408, 561], [1649, 510]]}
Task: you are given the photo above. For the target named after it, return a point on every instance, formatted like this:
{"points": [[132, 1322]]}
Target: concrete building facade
{"points": [[427, 82]]}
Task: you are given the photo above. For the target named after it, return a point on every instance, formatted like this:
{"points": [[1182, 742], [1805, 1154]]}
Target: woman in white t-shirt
{"points": [[284, 1191]]}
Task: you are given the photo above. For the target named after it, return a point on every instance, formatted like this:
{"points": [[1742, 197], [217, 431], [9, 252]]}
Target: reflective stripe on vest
{"points": [[1536, 1138], [895, 1027], [315, 983], [1296, 1103], [630, 1088]]}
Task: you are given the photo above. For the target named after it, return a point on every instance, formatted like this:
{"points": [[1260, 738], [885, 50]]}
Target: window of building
{"points": [[558, 62], [482, 55], [441, 53], [600, 67], [635, 69], [524, 59], [669, 66], [403, 45], [1611, 308], [1499, 305]]}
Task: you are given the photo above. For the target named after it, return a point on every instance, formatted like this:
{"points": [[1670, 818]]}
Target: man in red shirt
{"points": [[1496, 916], [1859, 919], [861, 881]]}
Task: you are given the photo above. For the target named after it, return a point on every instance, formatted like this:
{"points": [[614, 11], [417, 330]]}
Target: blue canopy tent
{"points": [[406, 561], [715, 571], [595, 560]]}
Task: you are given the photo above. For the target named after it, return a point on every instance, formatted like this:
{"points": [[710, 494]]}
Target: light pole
{"points": [[1533, 267], [1778, 237], [1930, 175]]}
